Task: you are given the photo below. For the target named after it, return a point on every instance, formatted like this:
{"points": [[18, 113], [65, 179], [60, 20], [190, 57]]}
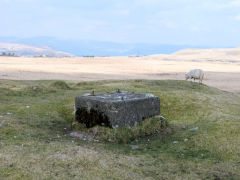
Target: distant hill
{"points": [[219, 51], [99, 48], [209, 54], [14, 49]]}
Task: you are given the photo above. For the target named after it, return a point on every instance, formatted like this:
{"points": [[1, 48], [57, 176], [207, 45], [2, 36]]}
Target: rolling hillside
{"points": [[210, 54], [13, 49]]}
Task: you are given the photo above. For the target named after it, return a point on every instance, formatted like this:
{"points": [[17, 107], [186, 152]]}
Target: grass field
{"points": [[201, 142]]}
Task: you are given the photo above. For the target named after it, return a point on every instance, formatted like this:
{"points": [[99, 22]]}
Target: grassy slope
{"points": [[33, 144]]}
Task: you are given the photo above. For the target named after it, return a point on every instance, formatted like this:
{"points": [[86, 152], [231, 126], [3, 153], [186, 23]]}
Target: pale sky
{"points": [[179, 22]]}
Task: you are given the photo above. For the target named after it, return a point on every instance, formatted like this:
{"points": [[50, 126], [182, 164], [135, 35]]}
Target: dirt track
{"points": [[224, 75]]}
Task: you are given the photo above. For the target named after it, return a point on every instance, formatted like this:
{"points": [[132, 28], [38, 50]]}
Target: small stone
{"points": [[161, 117], [134, 147], [183, 127], [194, 129], [2, 123], [27, 107], [185, 140], [82, 136], [110, 140], [9, 113], [175, 142], [14, 137], [34, 87], [90, 139]]}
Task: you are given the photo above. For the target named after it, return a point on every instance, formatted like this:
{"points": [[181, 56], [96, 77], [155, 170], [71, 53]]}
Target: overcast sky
{"points": [[186, 22]]}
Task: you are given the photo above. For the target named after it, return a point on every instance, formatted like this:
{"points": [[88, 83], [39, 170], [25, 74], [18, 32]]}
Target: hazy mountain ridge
{"points": [[217, 54], [99, 48], [67, 47], [14, 49], [220, 51]]}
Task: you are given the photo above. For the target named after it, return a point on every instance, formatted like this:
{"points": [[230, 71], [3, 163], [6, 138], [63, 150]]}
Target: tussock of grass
{"points": [[60, 85], [149, 127], [201, 141]]}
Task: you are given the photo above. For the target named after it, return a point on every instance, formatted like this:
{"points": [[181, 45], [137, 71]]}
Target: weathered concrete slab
{"points": [[116, 109]]}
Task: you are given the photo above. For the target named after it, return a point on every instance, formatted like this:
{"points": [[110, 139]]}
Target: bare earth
{"points": [[222, 70]]}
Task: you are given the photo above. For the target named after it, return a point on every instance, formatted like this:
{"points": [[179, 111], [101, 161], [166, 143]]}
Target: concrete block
{"points": [[117, 109]]}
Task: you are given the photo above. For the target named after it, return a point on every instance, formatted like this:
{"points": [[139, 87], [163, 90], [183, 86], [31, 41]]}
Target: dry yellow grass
{"points": [[221, 73]]}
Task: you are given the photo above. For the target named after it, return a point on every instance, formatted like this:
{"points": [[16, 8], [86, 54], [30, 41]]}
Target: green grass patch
{"points": [[200, 140], [149, 127], [60, 85]]}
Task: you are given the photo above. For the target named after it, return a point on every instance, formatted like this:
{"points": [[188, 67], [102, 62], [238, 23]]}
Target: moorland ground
{"points": [[221, 73], [201, 141]]}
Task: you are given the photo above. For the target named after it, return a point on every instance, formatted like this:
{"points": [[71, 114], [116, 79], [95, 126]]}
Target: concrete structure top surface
{"points": [[117, 96]]}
